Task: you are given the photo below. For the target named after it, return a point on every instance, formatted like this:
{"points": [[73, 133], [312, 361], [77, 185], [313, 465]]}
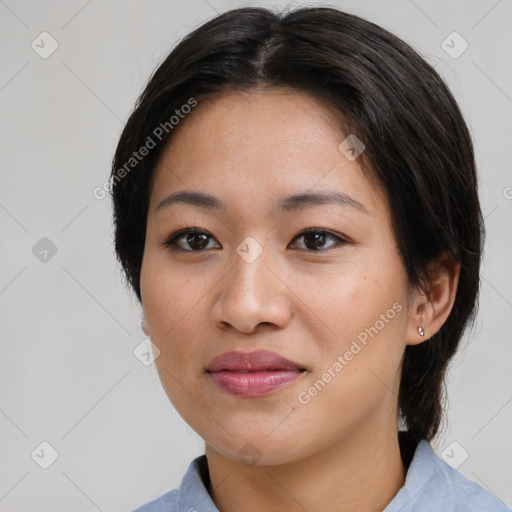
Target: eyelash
{"points": [[170, 242]]}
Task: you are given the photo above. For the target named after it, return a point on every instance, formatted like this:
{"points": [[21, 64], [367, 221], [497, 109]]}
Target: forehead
{"points": [[261, 144]]}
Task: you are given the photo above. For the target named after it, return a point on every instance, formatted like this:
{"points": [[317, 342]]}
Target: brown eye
{"points": [[197, 240], [189, 240], [314, 239]]}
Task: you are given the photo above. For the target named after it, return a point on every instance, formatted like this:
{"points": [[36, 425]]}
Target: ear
{"points": [[144, 327], [431, 307]]}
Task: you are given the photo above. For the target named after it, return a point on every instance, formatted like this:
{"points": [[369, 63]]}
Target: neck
{"points": [[362, 472]]}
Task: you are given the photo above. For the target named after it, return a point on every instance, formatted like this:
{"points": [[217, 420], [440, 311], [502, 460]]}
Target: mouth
{"points": [[253, 374], [260, 371]]}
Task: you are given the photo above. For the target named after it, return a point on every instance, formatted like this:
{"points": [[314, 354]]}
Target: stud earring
{"points": [[421, 331]]}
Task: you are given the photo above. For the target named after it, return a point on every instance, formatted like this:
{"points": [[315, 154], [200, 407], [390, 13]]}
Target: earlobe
{"points": [[144, 327], [432, 308]]}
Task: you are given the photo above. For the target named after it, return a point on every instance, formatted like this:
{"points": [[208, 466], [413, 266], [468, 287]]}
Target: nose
{"points": [[252, 295]]}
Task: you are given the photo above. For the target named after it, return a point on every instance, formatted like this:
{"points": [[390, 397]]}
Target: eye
{"points": [[193, 237], [315, 238], [197, 240]]}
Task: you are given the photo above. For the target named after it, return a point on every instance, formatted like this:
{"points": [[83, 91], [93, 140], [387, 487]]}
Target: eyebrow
{"points": [[287, 204]]}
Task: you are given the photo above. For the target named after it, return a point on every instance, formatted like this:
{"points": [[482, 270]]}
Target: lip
{"points": [[252, 374]]}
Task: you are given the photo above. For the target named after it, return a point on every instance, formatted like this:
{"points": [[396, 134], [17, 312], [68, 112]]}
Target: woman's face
{"points": [[333, 303]]}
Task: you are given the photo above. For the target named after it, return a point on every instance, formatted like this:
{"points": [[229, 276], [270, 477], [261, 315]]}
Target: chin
{"points": [[262, 450]]}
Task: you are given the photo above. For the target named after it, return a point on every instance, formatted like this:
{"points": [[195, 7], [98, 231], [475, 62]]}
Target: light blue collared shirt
{"points": [[431, 485]]}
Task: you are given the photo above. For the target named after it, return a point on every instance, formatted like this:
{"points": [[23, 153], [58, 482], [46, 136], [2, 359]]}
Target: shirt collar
{"points": [[422, 475], [193, 494], [424, 470]]}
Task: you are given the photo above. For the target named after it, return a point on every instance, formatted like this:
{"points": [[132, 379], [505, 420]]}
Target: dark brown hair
{"points": [[418, 150]]}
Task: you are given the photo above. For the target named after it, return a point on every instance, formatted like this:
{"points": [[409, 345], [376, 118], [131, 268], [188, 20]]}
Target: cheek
{"points": [[359, 368], [175, 311], [365, 313], [173, 306]]}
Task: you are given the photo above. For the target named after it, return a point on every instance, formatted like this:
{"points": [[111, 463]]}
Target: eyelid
{"points": [[328, 232], [169, 242]]}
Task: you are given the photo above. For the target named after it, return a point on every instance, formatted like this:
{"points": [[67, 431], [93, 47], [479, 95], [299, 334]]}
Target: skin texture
{"points": [[339, 451]]}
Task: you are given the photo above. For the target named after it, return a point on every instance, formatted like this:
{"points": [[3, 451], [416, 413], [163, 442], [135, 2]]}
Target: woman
{"points": [[296, 209]]}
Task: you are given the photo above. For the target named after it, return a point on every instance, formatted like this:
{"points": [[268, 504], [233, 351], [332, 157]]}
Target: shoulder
{"points": [[431, 482], [165, 503], [466, 495]]}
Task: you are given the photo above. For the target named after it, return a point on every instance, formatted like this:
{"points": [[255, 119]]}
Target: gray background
{"points": [[68, 375]]}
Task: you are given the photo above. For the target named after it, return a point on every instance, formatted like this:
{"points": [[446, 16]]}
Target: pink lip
{"points": [[251, 374]]}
